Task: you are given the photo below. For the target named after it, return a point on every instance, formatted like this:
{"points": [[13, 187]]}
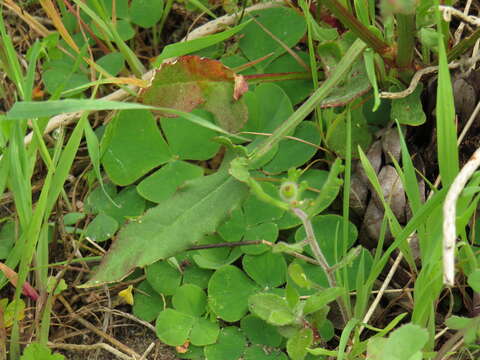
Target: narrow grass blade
{"points": [[445, 113], [394, 224], [187, 47], [340, 71], [35, 109]]}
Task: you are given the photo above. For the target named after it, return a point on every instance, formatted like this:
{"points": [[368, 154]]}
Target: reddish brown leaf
{"points": [[192, 82]]}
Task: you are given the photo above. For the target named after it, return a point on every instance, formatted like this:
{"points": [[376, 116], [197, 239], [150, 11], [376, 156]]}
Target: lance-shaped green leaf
{"points": [[193, 82], [171, 227], [272, 308], [355, 85], [329, 190]]}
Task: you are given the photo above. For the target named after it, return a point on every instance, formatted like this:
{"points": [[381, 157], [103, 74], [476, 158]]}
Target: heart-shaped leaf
{"points": [[230, 345], [259, 332], [226, 281], [268, 269], [282, 22], [135, 146], [147, 303]]}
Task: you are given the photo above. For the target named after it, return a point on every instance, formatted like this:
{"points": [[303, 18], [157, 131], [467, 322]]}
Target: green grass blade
{"points": [[34, 109], [340, 71], [19, 182], [199, 5], [8, 54], [394, 224], [65, 163], [187, 47], [32, 64], [344, 338], [445, 113]]}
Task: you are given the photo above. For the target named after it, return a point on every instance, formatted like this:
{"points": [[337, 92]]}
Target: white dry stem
{"points": [[384, 286], [448, 11], [449, 217], [458, 33], [209, 28], [102, 346], [148, 351], [420, 73]]}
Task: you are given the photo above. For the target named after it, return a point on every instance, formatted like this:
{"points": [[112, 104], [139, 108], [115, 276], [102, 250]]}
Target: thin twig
{"points": [[252, 242], [98, 346], [458, 33], [229, 244], [418, 76], [129, 316], [448, 11], [448, 346], [97, 331], [148, 351], [469, 123], [322, 261], [382, 290]]}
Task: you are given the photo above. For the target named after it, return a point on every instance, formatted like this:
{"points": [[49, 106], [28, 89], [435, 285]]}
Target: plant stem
{"points": [[340, 71], [318, 255], [406, 39], [312, 241], [351, 22], [257, 242], [166, 11], [261, 78]]}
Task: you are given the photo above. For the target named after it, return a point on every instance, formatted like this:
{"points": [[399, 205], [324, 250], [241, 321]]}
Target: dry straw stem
{"points": [[458, 33], [448, 11], [124, 348], [449, 217], [420, 73], [209, 28], [102, 346]]}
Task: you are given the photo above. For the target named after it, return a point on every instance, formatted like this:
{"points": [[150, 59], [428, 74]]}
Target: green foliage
{"points": [[244, 254], [260, 332], [256, 42], [163, 183], [9, 308], [230, 345], [133, 146], [394, 347], [297, 345], [146, 13], [39, 352], [7, 238], [193, 82], [470, 327], [147, 302], [408, 110], [224, 282], [202, 194], [272, 308]]}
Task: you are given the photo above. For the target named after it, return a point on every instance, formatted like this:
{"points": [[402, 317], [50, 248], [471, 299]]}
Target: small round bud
{"points": [[289, 191]]}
